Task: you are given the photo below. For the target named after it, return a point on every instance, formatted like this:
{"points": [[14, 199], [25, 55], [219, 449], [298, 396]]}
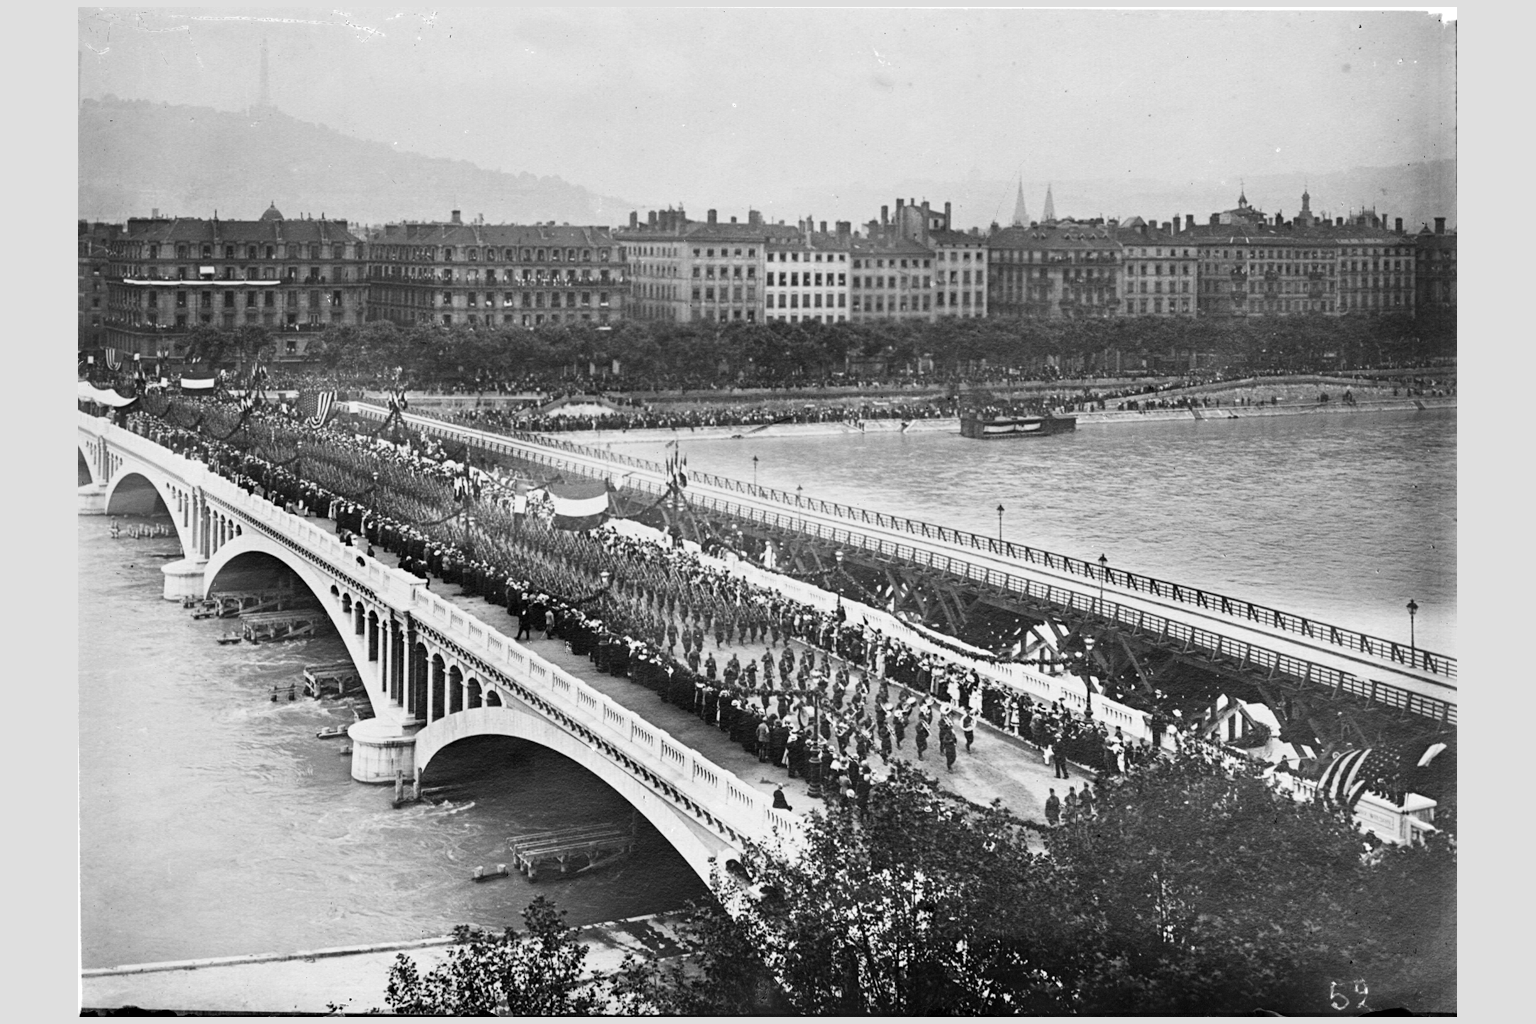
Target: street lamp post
{"points": [[999, 522], [754, 472], [1103, 572], [1413, 610], [799, 493]]}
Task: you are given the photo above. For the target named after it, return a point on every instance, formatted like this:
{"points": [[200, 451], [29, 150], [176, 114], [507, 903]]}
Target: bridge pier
{"points": [[184, 578], [380, 750], [93, 500]]}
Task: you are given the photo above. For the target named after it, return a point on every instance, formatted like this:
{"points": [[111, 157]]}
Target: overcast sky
{"points": [[721, 108]]}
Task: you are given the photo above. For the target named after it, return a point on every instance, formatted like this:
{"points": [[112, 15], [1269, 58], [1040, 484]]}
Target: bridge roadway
{"points": [[1221, 629]]}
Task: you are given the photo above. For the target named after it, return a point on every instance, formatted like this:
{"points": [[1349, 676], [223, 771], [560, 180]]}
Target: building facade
{"points": [[1160, 273], [496, 275], [170, 275], [93, 260], [1435, 268], [710, 270], [1053, 271], [806, 278]]}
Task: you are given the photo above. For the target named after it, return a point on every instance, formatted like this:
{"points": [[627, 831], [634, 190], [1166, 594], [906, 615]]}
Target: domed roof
{"points": [[272, 213]]}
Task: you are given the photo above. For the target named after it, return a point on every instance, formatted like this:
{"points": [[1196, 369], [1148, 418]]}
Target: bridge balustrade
{"points": [[746, 814], [1349, 639]]}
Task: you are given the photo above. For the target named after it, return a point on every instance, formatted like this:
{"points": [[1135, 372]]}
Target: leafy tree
{"points": [[537, 974]]}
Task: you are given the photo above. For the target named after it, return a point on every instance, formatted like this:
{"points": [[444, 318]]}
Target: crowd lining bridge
{"points": [[1347, 686]]}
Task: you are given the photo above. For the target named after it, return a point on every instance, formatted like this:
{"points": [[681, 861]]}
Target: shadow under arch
{"points": [[252, 553], [697, 846], [132, 491]]}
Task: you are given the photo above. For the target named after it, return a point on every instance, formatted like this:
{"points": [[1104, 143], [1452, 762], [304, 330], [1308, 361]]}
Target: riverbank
{"points": [[949, 424], [352, 977]]}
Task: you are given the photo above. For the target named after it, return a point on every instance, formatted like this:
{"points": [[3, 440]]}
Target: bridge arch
{"points": [[251, 549], [134, 490], [698, 846]]}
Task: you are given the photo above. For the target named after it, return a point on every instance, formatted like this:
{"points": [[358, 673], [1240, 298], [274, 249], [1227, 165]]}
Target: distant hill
{"points": [[1418, 193], [136, 156]]}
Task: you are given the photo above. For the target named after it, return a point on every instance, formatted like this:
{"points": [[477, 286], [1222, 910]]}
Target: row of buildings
{"points": [[145, 286]]}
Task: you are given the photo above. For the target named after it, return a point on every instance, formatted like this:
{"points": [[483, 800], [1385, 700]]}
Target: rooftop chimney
{"points": [[1399, 222], [1439, 225], [455, 218], [711, 216], [947, 225], [733, 220], [1338, 222], [634, 218], [1215, 219], [754, 218], [823, 227], [1189, 222], [154, 213], [1165, 227], [885, 213]]}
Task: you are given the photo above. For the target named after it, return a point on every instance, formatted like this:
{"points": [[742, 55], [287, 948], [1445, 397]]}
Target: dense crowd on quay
{"points": [[825, 697]]}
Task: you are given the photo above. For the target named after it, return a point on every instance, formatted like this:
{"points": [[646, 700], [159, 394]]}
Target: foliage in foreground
{"points": [[1195, 889]]}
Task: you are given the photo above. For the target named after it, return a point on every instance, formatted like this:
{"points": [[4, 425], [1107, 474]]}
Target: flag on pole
{"points": [[315, 407], [198, 383], [579, 504]]}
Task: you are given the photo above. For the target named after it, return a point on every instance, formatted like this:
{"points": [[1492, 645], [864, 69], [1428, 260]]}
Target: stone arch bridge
{"points": [[434, 674]]}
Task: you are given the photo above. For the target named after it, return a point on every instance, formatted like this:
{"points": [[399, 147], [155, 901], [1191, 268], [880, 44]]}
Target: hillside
{"points": [[136, 156]]}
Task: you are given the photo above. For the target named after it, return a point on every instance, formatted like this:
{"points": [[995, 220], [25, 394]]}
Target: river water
{"points": [[214, 823], [1339, 517]]}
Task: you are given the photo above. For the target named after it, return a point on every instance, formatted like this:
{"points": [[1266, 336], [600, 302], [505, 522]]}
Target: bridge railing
{"points": [[714, 791], [1409, 655], [1209, 643]]}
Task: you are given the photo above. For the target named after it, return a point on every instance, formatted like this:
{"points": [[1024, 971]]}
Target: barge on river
{"points": [[986, 427]]}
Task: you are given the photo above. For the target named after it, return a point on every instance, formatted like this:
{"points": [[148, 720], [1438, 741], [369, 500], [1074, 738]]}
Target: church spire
{"points": [[1020, 215], [1049, 215]]}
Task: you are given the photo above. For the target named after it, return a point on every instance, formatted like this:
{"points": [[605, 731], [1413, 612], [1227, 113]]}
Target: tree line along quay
{"points": [[639, 356], [1227, 897]]}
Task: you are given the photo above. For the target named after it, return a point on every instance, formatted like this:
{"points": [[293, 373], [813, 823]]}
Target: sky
{"points": [[723, 107]]}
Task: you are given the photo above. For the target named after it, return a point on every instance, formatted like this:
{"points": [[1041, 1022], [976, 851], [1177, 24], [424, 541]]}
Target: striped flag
{"points": [[114, 361], [315, 407], [579, 504], [191, 382], [1352, 773]]}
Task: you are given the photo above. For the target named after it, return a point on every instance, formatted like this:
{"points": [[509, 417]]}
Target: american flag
{"points": [[114, 361], [1352, 773], [315, 407]]}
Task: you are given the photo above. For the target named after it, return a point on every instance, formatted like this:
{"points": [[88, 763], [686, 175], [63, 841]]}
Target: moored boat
{"points": [[983, 426]]}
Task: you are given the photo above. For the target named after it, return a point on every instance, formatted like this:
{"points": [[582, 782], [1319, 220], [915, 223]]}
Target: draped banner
{"points": [[87, 392], [199, 383], [114, 361], [579, 504], [315, 407]]}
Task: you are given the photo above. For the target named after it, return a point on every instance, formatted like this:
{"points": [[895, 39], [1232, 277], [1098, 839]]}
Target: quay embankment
{"points": [[350, 977], [950, 424]]}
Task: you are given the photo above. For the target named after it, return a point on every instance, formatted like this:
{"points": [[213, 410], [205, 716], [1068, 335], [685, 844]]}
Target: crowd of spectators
{"points": [[824, 697]]}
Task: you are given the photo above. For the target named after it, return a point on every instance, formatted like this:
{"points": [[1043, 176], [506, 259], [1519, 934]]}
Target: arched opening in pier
{"points": [[266, 599], [539, 790], [83, 474], [136, 495]]}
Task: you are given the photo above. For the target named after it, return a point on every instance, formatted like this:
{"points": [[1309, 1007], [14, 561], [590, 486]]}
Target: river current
{"points": [[213, 822]]}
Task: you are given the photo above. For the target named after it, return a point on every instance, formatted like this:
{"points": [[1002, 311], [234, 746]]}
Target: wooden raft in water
{"points": [[569, 851]]}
